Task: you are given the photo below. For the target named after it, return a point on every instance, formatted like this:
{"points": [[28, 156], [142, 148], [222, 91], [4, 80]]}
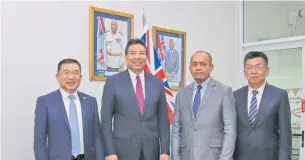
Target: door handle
{"points": [[302, 138], [302, 143]]}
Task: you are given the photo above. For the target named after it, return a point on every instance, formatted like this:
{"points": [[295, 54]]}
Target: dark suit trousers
{"points": [[142, 154]]}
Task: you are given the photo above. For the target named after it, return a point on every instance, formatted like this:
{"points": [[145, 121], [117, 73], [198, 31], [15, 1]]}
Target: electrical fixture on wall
{"points": [[294, 19], [301, 13]]}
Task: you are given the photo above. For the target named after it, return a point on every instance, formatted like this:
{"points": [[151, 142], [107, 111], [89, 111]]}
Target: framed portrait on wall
{"points": [[171, 47], [109, 32]]}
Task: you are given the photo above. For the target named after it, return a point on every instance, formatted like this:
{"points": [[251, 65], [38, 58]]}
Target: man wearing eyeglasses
{"points": [[263, 113], [66, 125]]}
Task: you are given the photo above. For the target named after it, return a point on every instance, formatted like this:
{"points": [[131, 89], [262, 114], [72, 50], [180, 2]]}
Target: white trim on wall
{"points": [[273, 41]]}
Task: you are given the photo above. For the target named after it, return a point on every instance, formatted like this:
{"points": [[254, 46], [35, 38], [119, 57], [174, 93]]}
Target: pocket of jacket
{"points": [[215, 143]]}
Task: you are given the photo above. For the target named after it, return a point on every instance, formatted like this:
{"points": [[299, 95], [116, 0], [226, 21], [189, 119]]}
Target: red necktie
{"points": [[139, 94]]}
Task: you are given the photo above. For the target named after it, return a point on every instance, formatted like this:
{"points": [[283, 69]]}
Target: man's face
{"points": [[136, 58], [69, 77], [171, 44], [256, 71], [114, 26], [201, 66]]}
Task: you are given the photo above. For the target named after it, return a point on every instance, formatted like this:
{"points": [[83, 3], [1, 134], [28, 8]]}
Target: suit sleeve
{"points": [[106, 117], [284, 121], [99, 149], [40, 130], [176, 132], [230, 126], [163, 122]]}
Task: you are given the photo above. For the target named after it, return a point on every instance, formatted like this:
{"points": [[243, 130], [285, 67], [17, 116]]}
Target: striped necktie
{"points": [[253, 108]]}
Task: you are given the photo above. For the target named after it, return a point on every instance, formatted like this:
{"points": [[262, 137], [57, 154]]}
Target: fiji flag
{"points": [[154, 67], [100, 39]]}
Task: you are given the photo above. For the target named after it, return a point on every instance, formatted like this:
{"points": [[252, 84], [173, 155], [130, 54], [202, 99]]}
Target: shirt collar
{"points": [[203, 84], [259, 90], [66, 95], [133, 76]]}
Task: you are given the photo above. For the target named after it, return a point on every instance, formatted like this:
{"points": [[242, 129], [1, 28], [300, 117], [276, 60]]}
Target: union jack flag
{"points": [[161, 47], [154, 67]]}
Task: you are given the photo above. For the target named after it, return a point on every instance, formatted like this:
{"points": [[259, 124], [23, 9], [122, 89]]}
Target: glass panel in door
{"points": [[286, 73]]}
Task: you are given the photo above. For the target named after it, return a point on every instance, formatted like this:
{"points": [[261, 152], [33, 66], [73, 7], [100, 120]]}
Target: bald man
{"points": [[204, 126]]}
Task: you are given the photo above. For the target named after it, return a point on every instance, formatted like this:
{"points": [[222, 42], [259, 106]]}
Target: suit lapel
{"points": [[263, 105], [189, 98], [83, 104], [148, 87], [61, 108], [243, 106], [127, 85], [85, 114], [208, 92]]}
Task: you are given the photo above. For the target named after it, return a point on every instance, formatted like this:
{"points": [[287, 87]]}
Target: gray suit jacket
{"points": [[212, 134], [172, 62], [270, 138], [131, 130], [52, 135]]}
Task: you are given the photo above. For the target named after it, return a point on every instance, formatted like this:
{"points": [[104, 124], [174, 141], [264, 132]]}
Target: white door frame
{"points": [[268, 45]]}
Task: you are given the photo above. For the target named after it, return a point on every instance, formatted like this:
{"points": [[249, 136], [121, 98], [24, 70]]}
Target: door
{"points": [[287, 71]]}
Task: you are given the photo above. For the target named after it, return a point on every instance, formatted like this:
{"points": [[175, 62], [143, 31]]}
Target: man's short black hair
{"points": [[134, 41], [256, 54], [65, 61]]}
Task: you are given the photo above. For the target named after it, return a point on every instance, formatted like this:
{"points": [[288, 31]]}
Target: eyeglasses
{"points": [[74, 74], [257, 67]]}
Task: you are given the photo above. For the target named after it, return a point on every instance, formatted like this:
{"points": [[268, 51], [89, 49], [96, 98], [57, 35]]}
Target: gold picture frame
{"points": [[107, 46], [171, 47]]}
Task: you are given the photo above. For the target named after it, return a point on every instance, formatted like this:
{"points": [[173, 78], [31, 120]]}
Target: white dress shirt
{"points": [[66, 100], [133, 78], [258, 95]]}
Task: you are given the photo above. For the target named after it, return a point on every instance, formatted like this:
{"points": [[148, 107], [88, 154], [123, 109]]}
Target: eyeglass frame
{"points": [[257, 67]]}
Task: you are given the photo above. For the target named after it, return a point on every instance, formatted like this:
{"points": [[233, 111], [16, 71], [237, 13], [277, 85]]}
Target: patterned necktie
{"points": [[197, 100], [253, 108], [73, 120], [139, 94]]}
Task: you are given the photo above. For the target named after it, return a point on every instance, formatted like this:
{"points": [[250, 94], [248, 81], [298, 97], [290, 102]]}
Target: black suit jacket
{"points": [[270, 138]]}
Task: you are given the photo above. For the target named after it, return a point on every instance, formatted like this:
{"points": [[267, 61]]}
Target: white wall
{"points": [[36, 36]]}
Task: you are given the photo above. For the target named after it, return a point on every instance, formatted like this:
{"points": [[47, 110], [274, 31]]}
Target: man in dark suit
{"points": [[66, 121], [136, 103], [263, 113]]}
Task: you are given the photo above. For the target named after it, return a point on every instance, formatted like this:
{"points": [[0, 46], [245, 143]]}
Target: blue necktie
{"points": [[253, 108], [73, 120], [197, 100]]}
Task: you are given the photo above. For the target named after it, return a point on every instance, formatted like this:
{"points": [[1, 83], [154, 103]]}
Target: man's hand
{"points": [[164, 157], [112, 157]]}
